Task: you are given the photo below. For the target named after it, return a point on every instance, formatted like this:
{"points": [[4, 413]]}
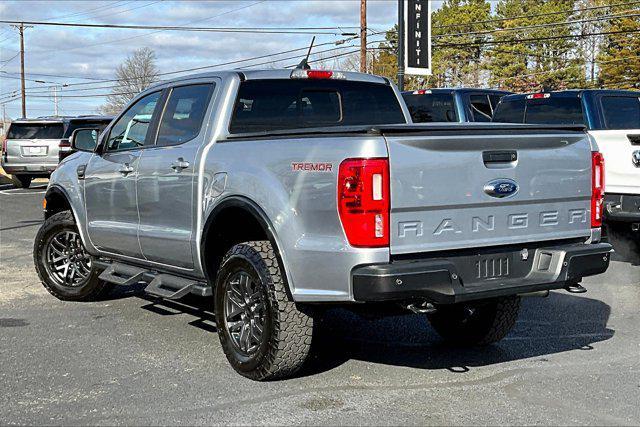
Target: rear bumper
{"points": [[457, 278], [29, 168], [622, 207]]}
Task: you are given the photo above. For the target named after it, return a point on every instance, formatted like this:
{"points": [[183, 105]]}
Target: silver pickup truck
{"points": [[280, 193]]}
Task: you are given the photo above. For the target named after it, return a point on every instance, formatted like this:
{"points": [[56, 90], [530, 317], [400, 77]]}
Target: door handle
{"points": [[499, 156], [125, 169], [179, 164]]}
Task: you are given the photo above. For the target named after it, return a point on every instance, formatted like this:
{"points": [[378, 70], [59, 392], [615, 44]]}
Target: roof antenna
{"points": [[304, 64]]}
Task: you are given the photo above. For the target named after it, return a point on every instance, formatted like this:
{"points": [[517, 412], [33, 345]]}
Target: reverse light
{"points": [[597, 188], [363, 201], [421, 92], [316, 74]]}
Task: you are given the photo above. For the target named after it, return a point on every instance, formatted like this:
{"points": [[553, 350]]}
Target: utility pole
{"points": [[21, 28], [55, 100], [363, 36], [401, 45]]}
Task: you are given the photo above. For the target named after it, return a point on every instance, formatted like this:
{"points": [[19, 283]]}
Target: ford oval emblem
{"points": [[501, 188]]}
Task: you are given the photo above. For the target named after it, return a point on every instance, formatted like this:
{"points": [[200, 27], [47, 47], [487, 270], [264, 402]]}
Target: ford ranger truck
{"points": [[462, 105], [612, 118], [280, 193]]}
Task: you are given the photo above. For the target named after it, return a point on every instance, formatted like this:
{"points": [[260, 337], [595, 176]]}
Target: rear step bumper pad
{"points": [[455, 279], [622, 207]]}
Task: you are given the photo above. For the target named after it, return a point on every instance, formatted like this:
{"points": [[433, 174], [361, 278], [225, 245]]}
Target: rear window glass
{"points": [[509, 111], [265, 105], [554, 111], [35, 131], [80, 124], [621, 112], [435, 107]]}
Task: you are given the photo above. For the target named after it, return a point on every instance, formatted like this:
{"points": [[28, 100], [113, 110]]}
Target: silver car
{"points": [[34, 147]]}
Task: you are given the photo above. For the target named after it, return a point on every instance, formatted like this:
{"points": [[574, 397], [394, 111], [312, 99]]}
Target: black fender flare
{"points": [[258, 214], [60, 192]]}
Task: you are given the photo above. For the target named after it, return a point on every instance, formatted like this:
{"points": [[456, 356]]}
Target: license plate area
{"points": [[34, 151]]}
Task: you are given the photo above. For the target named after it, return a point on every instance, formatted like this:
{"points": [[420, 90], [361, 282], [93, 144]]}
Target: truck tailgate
{"points": [[463, 187]]}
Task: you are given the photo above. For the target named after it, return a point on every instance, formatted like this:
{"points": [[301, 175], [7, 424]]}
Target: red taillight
{"points": [[597, 188], [363, 201], [4, 146], [64, 143]]}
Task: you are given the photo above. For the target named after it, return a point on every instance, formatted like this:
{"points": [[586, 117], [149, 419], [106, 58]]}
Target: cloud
{"points": [[95, 53]]}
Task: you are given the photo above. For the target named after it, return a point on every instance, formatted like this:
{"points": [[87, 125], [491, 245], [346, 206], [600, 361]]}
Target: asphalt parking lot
{"points": [[572, 359]]}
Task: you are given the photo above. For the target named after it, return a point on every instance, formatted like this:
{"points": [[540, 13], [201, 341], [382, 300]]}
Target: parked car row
{"points": [[611, 117], [34, 147]]}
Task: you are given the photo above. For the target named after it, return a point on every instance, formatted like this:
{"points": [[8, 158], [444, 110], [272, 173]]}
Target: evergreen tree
{"points": [[539, 51], [459, 42], [619, 58]]}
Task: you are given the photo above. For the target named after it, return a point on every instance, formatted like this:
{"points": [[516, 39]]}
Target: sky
{"points": [[64, 55]]}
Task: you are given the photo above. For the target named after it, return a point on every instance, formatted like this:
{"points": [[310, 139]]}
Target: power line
{"points": [[159, 31], [10, 59], [126, 10], [262, 30], [529, 27], [561, 69], [99, 79], [198, 68], [87, 11], [32, 94], [535, 15], [537, 39]]}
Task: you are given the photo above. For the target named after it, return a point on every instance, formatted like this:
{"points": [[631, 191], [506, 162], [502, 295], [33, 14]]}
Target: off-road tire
{"points": [[287, 330], [491, 321], [23, 181], [92, 289]]}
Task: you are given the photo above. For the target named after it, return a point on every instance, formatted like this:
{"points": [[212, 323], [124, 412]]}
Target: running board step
{"points": [[122, 275], [173, 287]]}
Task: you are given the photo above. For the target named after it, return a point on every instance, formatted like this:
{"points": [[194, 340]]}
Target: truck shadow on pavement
{"points": [[559, 323], [556, 324]]}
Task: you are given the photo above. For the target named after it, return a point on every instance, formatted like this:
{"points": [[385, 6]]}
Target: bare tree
{"points": [[133, 76]]}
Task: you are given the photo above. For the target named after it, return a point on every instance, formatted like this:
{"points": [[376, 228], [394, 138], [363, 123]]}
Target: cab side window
{"points": [[184, 114], [621, 112], [130, 130]]}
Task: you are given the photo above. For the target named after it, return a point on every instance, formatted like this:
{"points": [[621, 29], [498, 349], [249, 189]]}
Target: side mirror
{"points": [[84, 139]]}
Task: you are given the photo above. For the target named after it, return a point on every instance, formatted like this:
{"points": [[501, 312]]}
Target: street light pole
{"points": [[401, 44]]}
